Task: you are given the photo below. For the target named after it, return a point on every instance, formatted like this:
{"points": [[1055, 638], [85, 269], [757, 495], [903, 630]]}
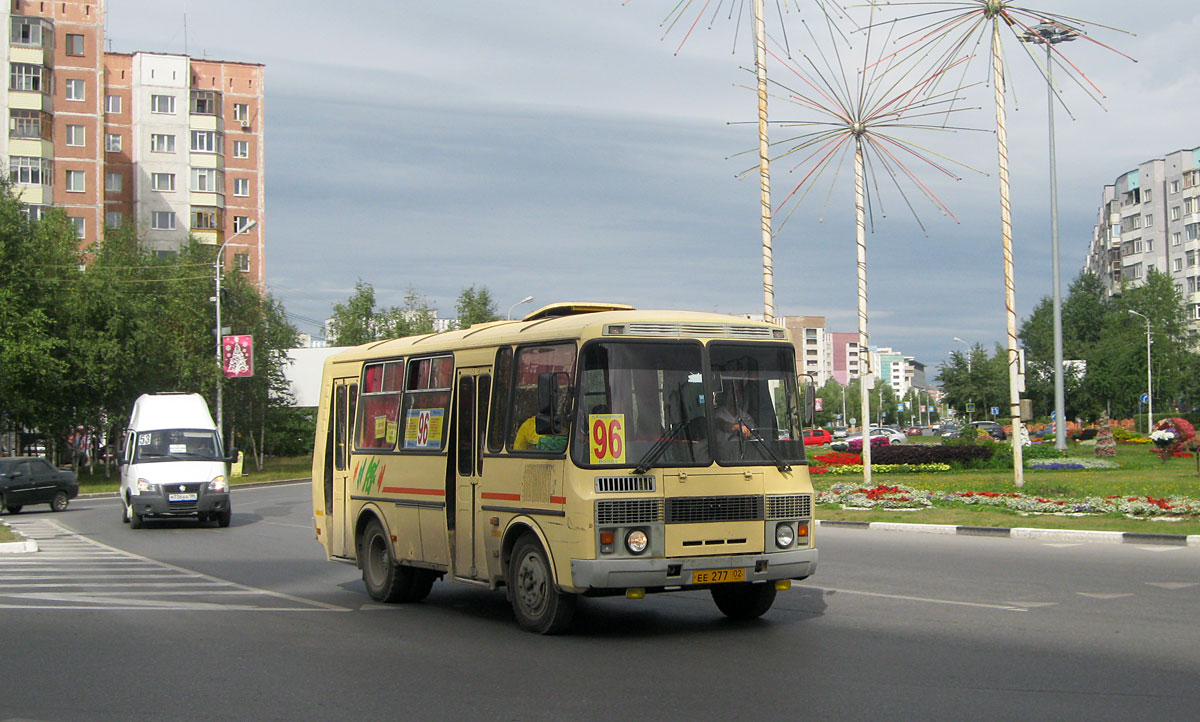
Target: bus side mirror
{"points": [[551, 387], [810, 401]]}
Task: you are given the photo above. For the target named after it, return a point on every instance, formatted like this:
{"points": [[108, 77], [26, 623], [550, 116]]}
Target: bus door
{"points": [[473, 394], [341, 527]]}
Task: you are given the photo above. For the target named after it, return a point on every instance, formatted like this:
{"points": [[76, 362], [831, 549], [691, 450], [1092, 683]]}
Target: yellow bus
{"points": [[586, 450]]}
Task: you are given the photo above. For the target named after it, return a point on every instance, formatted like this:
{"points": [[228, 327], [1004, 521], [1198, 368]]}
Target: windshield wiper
{"points": [[659, 447], [779, 463]]}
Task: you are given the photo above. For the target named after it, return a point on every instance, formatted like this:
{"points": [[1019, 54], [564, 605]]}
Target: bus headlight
{"points": [[784, 535], [636, 541]]}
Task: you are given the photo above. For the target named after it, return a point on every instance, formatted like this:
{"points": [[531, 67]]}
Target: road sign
{"points": [[900, 407], [1144, 398], [819, 403], [1053, 415], [970, 408], [995, 411]]}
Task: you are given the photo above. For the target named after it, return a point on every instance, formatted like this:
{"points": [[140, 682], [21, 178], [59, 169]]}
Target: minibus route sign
{"points": [[607, 433]]}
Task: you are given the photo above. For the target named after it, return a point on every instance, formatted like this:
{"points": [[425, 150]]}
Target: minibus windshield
{"points": [[176, 445]]}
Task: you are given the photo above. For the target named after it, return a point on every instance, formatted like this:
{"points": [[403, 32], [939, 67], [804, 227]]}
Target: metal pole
{"points": [[864, 356], [1010, 296], [1149, 382], [1060, 403], [764, 161], [217, 265]]}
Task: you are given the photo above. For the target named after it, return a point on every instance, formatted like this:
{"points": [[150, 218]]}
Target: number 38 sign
{"points": [[607, 438]]}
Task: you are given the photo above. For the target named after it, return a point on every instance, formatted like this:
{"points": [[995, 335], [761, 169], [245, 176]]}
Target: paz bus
{"points": [[586, 450]]}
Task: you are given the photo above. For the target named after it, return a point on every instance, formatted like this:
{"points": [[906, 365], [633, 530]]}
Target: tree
{"points": [[475, 307], [352, 323]]}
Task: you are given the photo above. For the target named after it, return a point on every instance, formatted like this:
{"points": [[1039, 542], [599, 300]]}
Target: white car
{"points": [[893, 437]]}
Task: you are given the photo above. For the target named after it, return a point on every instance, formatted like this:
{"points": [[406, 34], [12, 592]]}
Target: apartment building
{"points": [[1149, 219], [168, 144], [814, 355], [845, 352]]}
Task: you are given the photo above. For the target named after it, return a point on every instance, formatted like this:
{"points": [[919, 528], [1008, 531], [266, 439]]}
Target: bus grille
{"points": [[624, 484], [715, 330], [700, 509], [789, 506], [629, 511]]}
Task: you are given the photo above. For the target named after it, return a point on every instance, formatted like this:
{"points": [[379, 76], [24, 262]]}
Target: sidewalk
{"points": [[1061, 535]]}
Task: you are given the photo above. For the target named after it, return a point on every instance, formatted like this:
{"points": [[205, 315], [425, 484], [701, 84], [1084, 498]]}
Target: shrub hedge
{"points": [[963, 454]]}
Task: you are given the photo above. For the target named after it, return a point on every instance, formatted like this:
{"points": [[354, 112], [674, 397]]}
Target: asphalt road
{"points": [[251, 623]]}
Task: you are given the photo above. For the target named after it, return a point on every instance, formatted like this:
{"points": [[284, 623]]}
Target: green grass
{"points": [[274, 469], [8, 535], [1141, 474]]}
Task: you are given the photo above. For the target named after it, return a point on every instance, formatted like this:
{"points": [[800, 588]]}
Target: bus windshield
{"points": [[176, 445], [654, 404]]}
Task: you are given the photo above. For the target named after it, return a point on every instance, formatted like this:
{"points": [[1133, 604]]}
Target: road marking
{"points": [[1103, 596], [1161, 548], [1173, 586], [114, 579], [1062, 544], [902, 597], [1031, 605]]}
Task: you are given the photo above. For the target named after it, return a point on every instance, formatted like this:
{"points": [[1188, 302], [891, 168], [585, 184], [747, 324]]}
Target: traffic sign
{"points": [[970, 408], [1145, 397], [900, 407], [819, 404], [1053, 415], [995, 411]]}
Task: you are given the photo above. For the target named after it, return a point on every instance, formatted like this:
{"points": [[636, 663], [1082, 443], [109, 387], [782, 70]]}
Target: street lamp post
{"points": [[1149, 376], [217, 265], [1050, 34], [527, 299]]}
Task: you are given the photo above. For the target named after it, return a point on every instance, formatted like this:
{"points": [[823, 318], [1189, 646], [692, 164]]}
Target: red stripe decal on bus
{"points": [[403, 490], [558, 500], [500, 497]]}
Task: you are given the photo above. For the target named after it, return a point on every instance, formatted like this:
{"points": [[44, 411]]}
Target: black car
{"points": [[996, 431], [26, 480]]}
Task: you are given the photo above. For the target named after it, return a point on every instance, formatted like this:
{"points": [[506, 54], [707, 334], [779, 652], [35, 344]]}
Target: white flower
{"points": [[1162, 436]]}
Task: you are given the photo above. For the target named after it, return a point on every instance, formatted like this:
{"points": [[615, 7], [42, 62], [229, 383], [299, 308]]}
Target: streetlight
{"points": [[527, 299], [1050, 34], [217, 264], [1149, 378]]}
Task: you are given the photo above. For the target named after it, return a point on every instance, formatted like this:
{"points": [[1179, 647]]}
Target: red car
{"points": [[817, 437]]}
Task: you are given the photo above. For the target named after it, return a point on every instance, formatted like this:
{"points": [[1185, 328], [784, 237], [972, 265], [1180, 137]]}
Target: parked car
{"points": [[893, 436], [890, 436], [817, 437], [840, 432], [26, 480], [995, 430]]}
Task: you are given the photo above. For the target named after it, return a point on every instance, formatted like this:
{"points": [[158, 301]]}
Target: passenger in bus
{"points": [[527, 435]]}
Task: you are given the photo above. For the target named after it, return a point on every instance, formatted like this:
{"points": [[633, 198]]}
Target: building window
{"points": [[1146, 195], [75, 181], [1149, 245], [1174, 186], [204, 180], [1191, 258], [75, 89], [1176, 238], [1191, 284], [1175, 213], [74, 44], [112, 104], [162, 143], [112, 143], [241, 186], [240, 223], [1148, 220], [1188, 204], [162, 104], [26, 76], [29, 171], [162, 220], [29, 124], [241, 149], [241, 261], [204, 102], [31, 31], [76, 136], [78, 224], [113, 182], [112, 219], [1191, 231], [162, 181], [206, 218], [34, 213], [241, 112], [204, 141]]}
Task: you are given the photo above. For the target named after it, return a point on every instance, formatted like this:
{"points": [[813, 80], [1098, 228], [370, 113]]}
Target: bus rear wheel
{"points": [[387, 581], [538, 605], [744, 600]]}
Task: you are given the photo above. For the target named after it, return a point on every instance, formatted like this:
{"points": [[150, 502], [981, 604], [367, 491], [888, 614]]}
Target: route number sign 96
{"points": [[606, 438]]}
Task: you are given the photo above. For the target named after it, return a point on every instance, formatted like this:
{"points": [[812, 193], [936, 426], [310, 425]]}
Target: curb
{"points": [[20, 547], [1118, 537]]}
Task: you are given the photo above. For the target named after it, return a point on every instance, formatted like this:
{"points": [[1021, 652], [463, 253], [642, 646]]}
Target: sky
{"points": [[564, 149]]}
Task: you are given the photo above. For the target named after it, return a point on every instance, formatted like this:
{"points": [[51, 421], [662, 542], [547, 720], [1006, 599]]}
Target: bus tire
{"points": [[387, 581], [744, 600], [538, 605]]}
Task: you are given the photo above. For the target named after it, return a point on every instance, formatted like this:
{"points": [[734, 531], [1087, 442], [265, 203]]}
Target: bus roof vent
{"points": [[708, 330], [575, 308]]}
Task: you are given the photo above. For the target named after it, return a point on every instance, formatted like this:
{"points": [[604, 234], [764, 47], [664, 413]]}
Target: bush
{"points": [[961, 454], [1085, 434]]}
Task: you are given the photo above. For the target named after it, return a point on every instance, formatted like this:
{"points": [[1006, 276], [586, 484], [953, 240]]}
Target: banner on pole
{"points": [[237, 356]]}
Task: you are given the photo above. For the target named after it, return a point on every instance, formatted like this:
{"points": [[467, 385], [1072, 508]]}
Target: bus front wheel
{"points": [[538, 605], [744, 600]]}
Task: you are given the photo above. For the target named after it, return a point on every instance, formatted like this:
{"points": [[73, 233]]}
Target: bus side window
{"points": [[485, 394], [496, 424], [466, 426], [339, 430]]}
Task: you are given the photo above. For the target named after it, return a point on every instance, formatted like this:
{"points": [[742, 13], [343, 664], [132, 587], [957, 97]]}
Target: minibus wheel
{"points": [[538, 605], [744, 600]]}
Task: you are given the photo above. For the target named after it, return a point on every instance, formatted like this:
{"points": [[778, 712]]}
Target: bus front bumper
{"points": [[624, 573]]}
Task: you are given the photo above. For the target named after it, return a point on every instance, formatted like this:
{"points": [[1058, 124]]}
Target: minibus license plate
{"points": [[714, 576], [181, 497]]}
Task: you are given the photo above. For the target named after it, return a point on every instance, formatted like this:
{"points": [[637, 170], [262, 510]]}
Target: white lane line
{"points": [[1105, 597], [150, 574], [1173, 586], [906, 598], [127, 608], [122, 585]]}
